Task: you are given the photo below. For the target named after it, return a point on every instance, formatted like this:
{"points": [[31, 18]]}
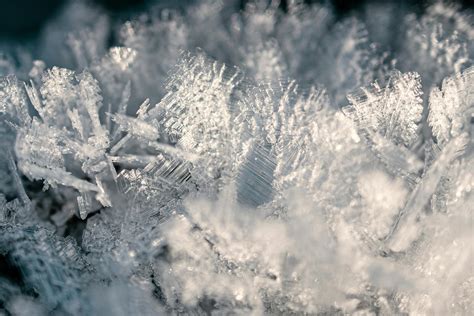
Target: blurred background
{"points": [[23, 19]]}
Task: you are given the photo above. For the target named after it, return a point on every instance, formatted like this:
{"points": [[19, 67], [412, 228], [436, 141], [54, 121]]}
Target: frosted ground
{"points": [[223, 162]]}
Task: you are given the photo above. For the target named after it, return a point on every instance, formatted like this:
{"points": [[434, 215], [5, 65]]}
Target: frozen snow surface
{"points": [[225, 162]]}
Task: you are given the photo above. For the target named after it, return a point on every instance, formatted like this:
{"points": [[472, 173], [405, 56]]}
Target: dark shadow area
{"points": [[9, 271], [23, 19]]}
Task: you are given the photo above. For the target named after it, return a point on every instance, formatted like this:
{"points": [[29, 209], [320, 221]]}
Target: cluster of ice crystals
{"points": [[440, 42], [451, 107], [393, 111], [210, 164]]}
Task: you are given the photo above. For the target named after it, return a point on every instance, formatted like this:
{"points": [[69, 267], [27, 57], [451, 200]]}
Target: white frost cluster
{"points": [[216, 161]]}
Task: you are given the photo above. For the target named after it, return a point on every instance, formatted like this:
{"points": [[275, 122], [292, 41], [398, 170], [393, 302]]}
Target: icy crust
{"points": [[231, 190]]}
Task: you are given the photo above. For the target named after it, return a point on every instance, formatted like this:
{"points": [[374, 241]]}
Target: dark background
{"points": [[23, 18]]}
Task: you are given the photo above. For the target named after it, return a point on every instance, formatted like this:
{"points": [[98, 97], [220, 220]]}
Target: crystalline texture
{"points": [[231, 177], [452, 106], [393, 110]]}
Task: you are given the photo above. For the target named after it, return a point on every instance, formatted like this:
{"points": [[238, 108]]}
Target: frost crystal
{"points": [[393, 111], [452, 106], [215, 160]]}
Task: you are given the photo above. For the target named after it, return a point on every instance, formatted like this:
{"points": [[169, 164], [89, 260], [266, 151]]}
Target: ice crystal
{"points": [[439, 40], [451, 107], [216, 161], [393, 111]]}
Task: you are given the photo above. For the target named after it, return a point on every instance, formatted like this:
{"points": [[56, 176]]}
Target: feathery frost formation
{"points": [[248, 162]]}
